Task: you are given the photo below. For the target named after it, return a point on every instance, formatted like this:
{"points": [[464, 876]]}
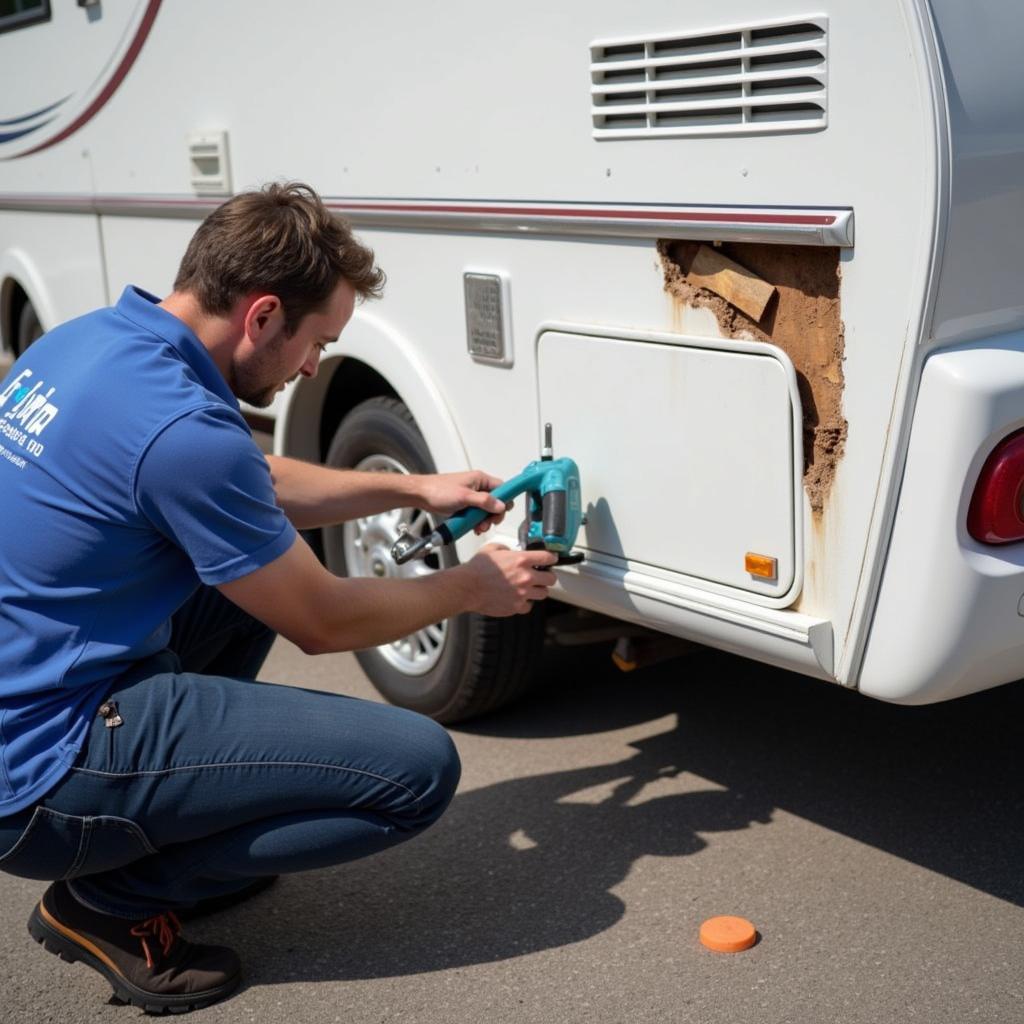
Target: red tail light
{"points": [[995, 515]]}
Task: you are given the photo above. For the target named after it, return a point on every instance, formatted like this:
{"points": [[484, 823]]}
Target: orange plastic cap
{"points": [[728, 934]]}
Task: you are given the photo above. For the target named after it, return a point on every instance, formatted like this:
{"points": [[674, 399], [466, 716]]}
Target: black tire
{"points": [[485, 662], [28, 328]]}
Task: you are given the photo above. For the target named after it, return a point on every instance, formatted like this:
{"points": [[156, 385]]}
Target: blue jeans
{"points": [[212, 779]]}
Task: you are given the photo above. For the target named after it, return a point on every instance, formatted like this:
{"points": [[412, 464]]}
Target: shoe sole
{"points": [[63, 946]]}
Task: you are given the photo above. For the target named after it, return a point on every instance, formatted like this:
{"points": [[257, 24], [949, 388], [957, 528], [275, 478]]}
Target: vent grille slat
{"points": [[738, 81], [733, 54], [718, 103], [756, 80]]}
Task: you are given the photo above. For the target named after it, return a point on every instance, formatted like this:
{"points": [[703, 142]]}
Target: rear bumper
{"points": [[949, 619]]}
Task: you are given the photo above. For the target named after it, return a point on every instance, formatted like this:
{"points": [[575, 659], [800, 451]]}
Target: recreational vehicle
{"points": [[759, 263]]}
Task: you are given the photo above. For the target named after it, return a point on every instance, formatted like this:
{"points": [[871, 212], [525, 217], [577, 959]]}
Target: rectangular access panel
{"points": [[686, 453]]}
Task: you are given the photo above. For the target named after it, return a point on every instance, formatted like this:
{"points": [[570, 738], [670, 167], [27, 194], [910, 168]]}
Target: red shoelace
{"points": [[165, 928]]}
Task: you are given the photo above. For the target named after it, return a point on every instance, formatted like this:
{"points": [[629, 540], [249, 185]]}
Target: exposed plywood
{"points": [[737, 285], [804, 320]]}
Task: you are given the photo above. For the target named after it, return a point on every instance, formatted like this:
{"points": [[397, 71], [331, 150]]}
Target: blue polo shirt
{"points": [[127, 476]]}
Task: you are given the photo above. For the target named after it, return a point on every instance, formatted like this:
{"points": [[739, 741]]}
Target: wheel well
{"points": [[12, 301], [352, 382]]}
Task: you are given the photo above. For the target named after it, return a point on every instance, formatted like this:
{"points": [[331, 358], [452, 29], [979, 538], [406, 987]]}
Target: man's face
{"points": [[258, 376]]}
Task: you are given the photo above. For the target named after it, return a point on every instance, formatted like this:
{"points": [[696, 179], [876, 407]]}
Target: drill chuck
{"points": [[407, 547]]}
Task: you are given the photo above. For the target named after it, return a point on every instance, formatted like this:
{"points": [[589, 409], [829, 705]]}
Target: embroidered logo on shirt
{"points": [[31, 411]]}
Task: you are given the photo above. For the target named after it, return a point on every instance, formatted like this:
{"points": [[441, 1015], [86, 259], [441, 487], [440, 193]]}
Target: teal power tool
{"points": [[552, 521]]}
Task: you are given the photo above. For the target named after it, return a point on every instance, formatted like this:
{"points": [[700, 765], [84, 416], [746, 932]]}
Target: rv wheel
{"points": [[451, 670]]}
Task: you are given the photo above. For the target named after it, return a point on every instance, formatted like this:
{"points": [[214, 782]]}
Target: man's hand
{"points": [[443, 494], [507, 582], [314, 496]]}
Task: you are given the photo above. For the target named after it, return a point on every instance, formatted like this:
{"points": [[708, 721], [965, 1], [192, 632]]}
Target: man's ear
{"points": [[264, 319]]}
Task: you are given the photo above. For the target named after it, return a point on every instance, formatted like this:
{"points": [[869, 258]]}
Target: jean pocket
{"points": [[56, 845], [110, 842]]}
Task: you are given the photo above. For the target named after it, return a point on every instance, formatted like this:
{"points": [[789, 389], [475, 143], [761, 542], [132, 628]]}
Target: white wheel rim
{"points": [[367, 545]]}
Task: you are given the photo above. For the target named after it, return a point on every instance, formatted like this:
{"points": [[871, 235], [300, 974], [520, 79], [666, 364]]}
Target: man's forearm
{"points": [[368, 612], [298, 598], [313, 496]]}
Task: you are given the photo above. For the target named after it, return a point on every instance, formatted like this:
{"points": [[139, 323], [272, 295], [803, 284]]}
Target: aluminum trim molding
{"points": [[779, 225]]}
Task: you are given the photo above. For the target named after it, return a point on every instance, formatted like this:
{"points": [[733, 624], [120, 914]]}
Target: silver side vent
{"points": [[770, 77]]}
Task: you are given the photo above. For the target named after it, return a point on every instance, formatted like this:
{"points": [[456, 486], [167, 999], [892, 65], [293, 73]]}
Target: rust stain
{"points": [[821, 543], [676, 313], [803, 319]]}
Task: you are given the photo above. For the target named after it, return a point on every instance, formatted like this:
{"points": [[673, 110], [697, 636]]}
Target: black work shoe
{"points": [[147, 963], [213, 904]]}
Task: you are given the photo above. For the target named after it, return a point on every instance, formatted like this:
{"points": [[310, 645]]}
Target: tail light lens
{"points": [[996, 515]]}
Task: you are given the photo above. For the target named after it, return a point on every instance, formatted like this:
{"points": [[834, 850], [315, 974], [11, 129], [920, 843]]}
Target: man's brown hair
{"points": [[278, 240]]}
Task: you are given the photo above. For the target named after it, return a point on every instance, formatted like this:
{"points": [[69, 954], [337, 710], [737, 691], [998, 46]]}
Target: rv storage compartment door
{"points": [[685, 449]]}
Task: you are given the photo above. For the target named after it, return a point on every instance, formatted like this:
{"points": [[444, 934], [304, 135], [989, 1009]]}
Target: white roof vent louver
{"points": [[770, 77]]}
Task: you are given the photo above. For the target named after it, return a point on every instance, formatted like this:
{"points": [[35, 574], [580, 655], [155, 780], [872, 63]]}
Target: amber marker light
{"points": [[762, 566]]}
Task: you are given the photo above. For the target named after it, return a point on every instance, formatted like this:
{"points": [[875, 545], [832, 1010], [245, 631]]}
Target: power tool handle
{"points": [[465, 519]]}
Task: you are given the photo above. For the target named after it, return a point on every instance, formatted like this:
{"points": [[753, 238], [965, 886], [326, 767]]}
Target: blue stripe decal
{"points": [[38, 113], [10, 136]]}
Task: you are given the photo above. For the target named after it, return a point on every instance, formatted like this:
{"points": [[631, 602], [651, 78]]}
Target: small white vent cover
{"points": [[209, 164], [768, 77]]}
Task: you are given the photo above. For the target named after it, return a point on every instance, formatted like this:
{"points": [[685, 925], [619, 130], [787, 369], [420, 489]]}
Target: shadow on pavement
{"points": [[941, 786], [515, 867]]}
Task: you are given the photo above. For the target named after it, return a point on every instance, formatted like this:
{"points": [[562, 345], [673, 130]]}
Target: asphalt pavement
{"points": [[878, 850]]}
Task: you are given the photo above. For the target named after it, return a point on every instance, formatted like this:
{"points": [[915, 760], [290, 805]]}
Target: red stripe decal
{"points": [[632, 214], [111, 87]]}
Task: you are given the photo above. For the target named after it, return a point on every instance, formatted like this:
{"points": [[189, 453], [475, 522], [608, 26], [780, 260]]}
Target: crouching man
{"points": [[150, 555]]}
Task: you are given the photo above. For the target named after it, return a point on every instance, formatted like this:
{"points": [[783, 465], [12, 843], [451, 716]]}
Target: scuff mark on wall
{"points": [[803, 319]]}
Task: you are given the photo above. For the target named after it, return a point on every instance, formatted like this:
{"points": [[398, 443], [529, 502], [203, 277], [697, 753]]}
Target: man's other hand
{"points": [[509, 582]]}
